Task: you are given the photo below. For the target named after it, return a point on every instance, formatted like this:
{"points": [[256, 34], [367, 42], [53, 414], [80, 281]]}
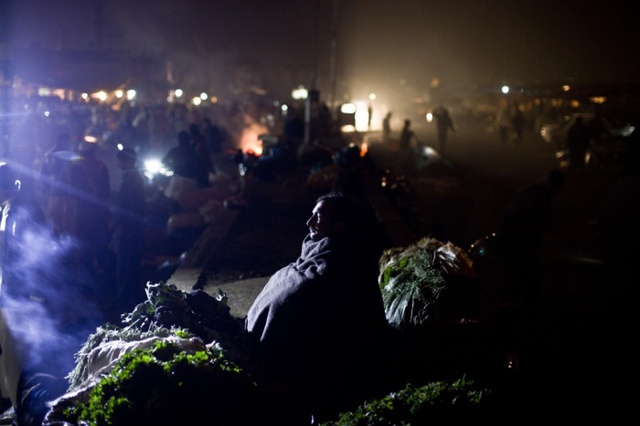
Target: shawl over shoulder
{"points": [[323, 301]]}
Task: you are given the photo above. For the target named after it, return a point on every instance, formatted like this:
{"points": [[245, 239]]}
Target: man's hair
{"points": [[343, 208]]}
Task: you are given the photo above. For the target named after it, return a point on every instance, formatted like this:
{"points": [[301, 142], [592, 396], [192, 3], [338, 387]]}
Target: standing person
{"points": [[369, 116], [578, 140], [527, 222], [386, 128], [444, 124], [128, 232], [89, 191], [328, 296], [406, 135], [53, 173], [215, 137], [201, 148]]}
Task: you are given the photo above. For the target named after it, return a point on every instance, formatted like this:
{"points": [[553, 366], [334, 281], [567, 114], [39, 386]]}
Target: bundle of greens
{"points": [[413, 278], [166, 383], [418, 405], [157, 369]]}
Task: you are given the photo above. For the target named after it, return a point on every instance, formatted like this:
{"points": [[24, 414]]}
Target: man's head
{"points": [[333, 214]]}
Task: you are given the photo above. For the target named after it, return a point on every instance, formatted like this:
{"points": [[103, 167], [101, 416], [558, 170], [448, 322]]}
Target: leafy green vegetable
{"points": [[416, 405], [164, 385], [413, 278]]}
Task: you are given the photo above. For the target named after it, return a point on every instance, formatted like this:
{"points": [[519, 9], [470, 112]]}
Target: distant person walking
{"points": [[406, 136], [386, 128], [444, 124]]}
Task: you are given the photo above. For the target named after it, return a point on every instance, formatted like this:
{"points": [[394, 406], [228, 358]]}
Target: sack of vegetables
{"points": [[415, 279]]}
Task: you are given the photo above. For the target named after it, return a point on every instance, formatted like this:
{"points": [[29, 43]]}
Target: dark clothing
{"points": [[90, 192], [578, 139], [443, 124], [316, 324], [128, 238], [183, 161], [521, 236]]}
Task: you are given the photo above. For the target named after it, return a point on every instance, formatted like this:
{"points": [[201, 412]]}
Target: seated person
{"points": [[318, 326]]}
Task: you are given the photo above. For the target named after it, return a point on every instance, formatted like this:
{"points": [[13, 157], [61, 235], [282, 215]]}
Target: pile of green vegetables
{"points": [[418, 405], [164, 383], [413, 278]]}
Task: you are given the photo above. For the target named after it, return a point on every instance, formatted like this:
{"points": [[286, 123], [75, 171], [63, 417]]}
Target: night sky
{"points": [[379, 42]]}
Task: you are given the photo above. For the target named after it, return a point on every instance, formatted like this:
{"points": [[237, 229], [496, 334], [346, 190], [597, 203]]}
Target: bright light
{"points": [[90, 139], [203, 96], [120, 147], [372, 96], [299, 93], [214, 99], [101, 95], [85, 96], [178, 93], [505, 89], [153, 165], [131, 94], [47, 113], [196, 100], [566, 88], [348, 108], [119, 94], [429, 117], [284, 108]]}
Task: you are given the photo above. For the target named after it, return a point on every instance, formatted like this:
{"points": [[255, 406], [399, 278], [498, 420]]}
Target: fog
{"points": [[353, 47]]}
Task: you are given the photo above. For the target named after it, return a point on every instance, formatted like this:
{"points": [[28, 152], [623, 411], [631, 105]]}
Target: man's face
{"points": [[320, 223]]}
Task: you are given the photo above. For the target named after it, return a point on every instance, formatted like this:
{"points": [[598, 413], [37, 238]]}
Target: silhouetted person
{"points": [[89, 213], [578, 140], [596, 127], [128, 241], [182, 159], [215, 137], [299, 310], [53, 175], [444, 124], [406, 135], [294, 127], [201, 148], [525, 225], [386, 128]]}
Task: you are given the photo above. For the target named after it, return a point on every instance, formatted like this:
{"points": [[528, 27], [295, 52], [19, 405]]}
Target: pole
{"points": [[333, 64]]}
